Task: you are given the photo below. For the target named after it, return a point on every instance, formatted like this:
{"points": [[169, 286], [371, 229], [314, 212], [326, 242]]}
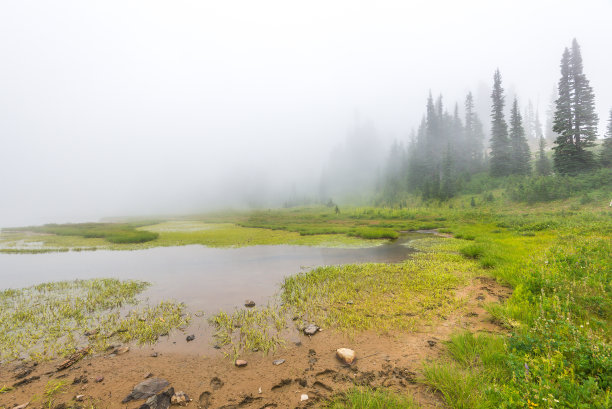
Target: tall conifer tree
{"points": [[605, 157], [575, 118], [500, 147], [520, 153]]}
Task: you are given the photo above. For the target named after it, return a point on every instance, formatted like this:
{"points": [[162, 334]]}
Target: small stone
{"points": [[303, 397], [154, 355], [259, 390], [350, 302], [25, 405], [180, 398], [346, 355], [190, 338], [431, 343], [311, 329], [240, 363], [278, 362], [79, 398], [99, 379], [147, 389], [217, 346], [249, 303], [148, 375]]}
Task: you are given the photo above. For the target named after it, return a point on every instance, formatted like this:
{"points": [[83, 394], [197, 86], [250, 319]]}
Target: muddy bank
{"points": [[309, 368]]}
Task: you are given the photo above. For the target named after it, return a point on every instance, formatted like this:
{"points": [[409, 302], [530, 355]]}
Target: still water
{"points": [[206, 279]]}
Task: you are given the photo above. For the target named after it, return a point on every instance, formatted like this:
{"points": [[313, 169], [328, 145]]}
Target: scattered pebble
{"points": [[345, 355], [154, 355], [240, 363], [431, 343], [180, 398], [278, 362], [79, 398], [259, 391], [25, 405], [148, 375], [99, 379], [311, 329], [190, 338], [303, 397], [249, 303]]}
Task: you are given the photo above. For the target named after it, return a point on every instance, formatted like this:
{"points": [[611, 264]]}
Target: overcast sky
{"points": [[138, 107]]}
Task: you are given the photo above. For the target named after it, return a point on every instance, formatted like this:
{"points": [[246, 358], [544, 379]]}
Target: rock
{"points": [[180, 398], [73, 359], [240, 363], [345, 355], [311, 329], [159, 401], [146, 389], [190, 338], [120, 350], [79, 398], [154, 355], [303, 397], [25, 405], [431, 343], [91, 333], [278, 362], [99, 379], [79, 379], [249, 303], [148, 375]]}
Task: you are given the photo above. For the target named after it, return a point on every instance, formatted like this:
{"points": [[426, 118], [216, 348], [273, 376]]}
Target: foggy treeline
{"points": [[453, 143]]}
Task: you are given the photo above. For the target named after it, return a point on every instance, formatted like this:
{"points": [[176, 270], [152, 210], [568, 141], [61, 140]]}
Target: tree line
{"points": [[447, 149]]}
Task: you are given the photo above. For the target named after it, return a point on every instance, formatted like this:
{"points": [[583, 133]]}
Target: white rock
{"points": [[345, 355], [303, 397]]}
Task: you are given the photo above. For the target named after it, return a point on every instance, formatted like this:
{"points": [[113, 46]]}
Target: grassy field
{"points": [[175, 233], [557, 257]]}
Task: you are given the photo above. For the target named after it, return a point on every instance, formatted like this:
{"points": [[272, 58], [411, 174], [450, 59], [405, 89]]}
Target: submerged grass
{"points": [[253, 329], [47, 320]]}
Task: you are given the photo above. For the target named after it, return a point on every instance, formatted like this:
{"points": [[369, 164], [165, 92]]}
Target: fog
{"points": [[120, 108]]}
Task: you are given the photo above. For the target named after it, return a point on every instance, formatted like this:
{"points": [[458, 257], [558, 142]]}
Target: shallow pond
{"points": [[206, 279]]}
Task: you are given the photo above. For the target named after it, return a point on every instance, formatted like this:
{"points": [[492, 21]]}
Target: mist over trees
{"points": [[449, 146]]}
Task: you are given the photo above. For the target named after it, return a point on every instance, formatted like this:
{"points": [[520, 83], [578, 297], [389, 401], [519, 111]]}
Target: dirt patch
{"points": [[311, 367]]}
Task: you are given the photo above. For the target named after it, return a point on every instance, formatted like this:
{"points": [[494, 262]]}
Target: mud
{"points": [[393, 360]]}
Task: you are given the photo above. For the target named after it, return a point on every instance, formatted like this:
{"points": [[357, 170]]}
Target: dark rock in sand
{"points": [[159, 401], [190, 338], [204, 400], [146, 389], [311, 329], [249, 303], [431, 343]]}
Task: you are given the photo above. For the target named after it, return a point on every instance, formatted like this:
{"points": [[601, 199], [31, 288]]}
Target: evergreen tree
{"points": [[542, 164], [543, 167], [473, 134], [529, 125], [549, 134], [500, 147], [575, 117], [605, 157], [520, 153]]}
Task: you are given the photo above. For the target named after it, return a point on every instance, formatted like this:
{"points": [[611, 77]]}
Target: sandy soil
{"points": [[392, 360]]}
